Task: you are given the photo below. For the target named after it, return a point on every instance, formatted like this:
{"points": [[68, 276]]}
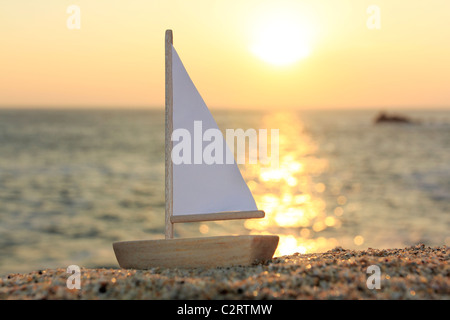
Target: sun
{"points": [[281, 39]]}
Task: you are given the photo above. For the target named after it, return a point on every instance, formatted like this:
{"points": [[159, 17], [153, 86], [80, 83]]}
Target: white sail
{"points": [[202, 188]]}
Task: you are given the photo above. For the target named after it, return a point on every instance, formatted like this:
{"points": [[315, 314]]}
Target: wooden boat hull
{"points": [[205, 252]]}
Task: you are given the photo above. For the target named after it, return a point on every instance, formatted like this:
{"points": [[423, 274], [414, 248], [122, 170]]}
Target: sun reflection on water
{"points": [[292, 200]]}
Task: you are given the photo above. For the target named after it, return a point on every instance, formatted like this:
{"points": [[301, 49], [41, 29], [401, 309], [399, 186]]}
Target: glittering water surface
{"points": [[72, 182]]}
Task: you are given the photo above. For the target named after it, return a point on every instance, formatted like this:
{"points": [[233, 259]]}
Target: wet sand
{"points": [[417, 272]]}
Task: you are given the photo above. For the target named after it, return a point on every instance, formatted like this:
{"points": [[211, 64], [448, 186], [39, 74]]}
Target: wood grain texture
{"points": [[208, 252], [217, 216], [168, 136]]}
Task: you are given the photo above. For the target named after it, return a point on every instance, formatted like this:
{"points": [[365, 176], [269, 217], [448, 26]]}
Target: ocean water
{"points": [[72, 182]]}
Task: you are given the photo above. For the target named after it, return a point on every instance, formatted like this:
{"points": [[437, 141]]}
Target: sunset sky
{"points": [[240, 54]]}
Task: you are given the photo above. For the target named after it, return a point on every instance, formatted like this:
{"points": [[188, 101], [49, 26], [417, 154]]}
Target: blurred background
{"points": [[82, 122]]}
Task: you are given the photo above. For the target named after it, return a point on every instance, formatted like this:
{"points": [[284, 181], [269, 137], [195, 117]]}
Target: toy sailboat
{"points": [[196, 191]]}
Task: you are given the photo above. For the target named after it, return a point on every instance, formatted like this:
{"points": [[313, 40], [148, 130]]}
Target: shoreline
{"points": [[416, 272]]}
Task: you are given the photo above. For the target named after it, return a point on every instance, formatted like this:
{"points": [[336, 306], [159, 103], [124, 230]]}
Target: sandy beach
{"points": [[417, 272]]}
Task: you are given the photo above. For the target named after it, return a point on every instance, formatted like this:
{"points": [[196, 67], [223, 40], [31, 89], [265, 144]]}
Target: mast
{"points": [[220, 184], [168, 133]]}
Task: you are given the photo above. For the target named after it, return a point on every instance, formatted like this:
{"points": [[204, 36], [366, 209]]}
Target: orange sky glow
{"points": [[240, 54]]}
